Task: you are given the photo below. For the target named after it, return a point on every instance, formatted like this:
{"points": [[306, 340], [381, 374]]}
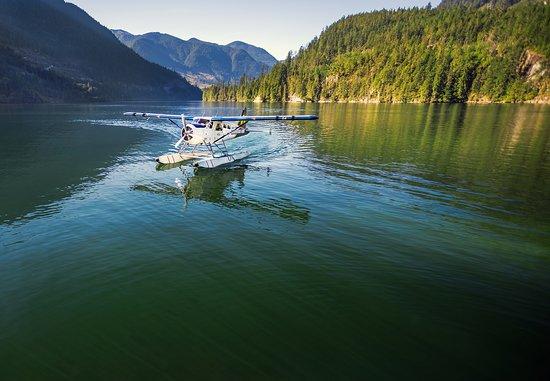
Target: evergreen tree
{"points": [[448, 54]]}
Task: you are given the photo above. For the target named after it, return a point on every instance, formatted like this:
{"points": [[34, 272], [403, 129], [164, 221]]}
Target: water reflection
{"points": [[45, 157], [495, 157], [371, 244], [223, 186]]}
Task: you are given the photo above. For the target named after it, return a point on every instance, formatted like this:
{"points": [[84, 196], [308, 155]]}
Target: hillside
{"points": [[455, 53], [202, 63], [52, 51], [478, 3], [259, 54]]}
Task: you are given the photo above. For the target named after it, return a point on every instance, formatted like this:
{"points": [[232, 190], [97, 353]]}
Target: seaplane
{"points": [[203, 137]]}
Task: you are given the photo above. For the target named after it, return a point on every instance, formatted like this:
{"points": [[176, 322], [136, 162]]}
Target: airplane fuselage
{"points": [[204, 131]]}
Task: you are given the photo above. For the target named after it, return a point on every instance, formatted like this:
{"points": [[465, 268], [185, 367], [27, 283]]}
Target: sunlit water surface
{"points": [[381, 242]]}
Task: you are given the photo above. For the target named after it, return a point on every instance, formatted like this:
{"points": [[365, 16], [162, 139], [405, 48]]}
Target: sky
{"points": [[275, 25]]}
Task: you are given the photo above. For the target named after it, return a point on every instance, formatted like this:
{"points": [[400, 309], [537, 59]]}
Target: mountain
{"points": [[259, 54], [447, 54], [201, 62], [52, 51]]}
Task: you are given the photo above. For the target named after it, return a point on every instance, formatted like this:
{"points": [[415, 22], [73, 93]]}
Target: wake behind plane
{"points": [[203, 138]]}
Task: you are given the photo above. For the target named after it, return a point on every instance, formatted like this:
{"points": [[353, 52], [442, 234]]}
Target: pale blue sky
{"points": [[278, 26]]}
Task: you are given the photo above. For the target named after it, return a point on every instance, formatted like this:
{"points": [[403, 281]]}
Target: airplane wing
{"points": [[226, 118], [262, 118], [159, 116]]}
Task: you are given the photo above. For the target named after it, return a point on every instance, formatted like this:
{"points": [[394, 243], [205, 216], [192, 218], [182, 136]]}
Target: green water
{"points": [[381, 242]]}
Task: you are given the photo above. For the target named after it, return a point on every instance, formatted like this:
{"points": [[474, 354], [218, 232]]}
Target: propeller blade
{"points": [[180, 142]]}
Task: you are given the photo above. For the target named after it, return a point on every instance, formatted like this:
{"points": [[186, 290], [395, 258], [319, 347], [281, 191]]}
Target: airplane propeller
{"points": [[187, 133]]}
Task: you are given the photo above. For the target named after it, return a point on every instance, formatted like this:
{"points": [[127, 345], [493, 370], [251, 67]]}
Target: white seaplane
{"points": [[211, 133]]}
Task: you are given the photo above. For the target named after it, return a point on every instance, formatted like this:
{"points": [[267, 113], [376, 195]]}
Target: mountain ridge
{"points": [[201, 62], [53, 51], [256, 52]]}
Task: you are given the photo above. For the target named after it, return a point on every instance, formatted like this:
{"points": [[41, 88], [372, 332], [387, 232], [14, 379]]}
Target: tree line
{"points": [[447, 54]]}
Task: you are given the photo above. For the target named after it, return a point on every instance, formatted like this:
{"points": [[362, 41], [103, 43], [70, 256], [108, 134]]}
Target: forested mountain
{"points": [[52, 51], [478, 3], [454, 53], [201, 62]]}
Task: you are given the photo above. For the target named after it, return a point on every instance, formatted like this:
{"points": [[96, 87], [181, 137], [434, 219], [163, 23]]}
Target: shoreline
{"points": [[543, 101], [480, 102]]}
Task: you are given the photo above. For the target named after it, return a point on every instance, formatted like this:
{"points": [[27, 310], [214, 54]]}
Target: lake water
{"points": [[380, 242]]}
